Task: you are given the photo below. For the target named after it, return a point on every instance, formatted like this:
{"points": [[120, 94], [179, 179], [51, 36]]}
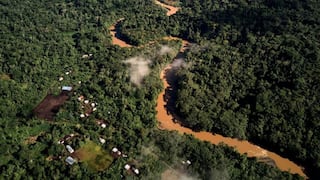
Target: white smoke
{"points": [[165, 50], [178, 63], [139, 68], [185, 177]]}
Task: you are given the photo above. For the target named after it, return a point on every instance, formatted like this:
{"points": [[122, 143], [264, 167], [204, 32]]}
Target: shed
{"points": [[69, 148], [102, 140], [127, 167], [66, 88], [70, 160]]}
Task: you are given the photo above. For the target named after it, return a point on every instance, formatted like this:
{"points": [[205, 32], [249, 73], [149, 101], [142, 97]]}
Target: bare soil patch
{"points": [[50, 105]]}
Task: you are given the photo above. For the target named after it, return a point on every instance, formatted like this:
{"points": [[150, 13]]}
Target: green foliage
{"points": [[254, 74], [255, 78]]}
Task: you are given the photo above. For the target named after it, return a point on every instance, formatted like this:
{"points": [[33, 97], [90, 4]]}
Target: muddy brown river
{"points": [[166, 120]]}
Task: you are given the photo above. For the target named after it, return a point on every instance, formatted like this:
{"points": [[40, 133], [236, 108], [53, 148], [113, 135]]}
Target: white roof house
{"points": [[115, 149], [69, 148], [102, 140], [127, 167], [66, 88], [70, 160], [85, 56], [136, 171]]}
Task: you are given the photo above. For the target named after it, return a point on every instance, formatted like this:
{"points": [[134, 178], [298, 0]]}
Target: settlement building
{"points": [[70, 160], [66, 88], [69, 148]]}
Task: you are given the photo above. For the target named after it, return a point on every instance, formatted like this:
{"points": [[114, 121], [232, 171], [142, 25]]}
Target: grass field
{"points": [[94, 156]]}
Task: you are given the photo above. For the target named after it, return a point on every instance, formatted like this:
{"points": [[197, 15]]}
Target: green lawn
{"points": [[94, 156]]}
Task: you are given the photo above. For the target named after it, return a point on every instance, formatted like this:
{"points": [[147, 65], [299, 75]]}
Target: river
{"points": [[166, 120], [114, 35], [171, 9]]}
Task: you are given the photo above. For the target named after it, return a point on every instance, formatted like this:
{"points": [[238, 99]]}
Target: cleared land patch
{"points": [[94, 156], [50, 105]]}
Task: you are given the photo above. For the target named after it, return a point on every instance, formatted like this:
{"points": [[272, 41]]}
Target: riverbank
{"points": [[171, 9], [166, 122], [115, 37]]}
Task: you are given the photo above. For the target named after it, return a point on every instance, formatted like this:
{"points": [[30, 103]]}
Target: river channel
{"points": [[166, 119]]}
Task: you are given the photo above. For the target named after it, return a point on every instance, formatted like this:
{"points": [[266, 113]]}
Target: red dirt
{"points": [[50, 105]]}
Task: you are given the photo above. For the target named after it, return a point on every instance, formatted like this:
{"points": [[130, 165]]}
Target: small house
{"points": [[127, 167], [115, 150], [70, 160], [102, 140], [66, 88], [135, 170], [69, 148], [85, 56]]}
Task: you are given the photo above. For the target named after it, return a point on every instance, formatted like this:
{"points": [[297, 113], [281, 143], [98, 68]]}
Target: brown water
{"points": [[166, 121], [116, 40], [171, 9]]}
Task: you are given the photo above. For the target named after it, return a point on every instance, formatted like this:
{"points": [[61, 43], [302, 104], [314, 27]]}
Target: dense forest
{"points": [[254, 74], [49, 44]]}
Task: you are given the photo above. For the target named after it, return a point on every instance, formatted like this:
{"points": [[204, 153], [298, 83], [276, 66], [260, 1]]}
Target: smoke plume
{"points": [[165, 50], [178, 63], [139, 68]]}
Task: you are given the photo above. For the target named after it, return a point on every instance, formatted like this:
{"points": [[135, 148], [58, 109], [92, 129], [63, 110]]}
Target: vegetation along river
{"points": [[166, 119]]}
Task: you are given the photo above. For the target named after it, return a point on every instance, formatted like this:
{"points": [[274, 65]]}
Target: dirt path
{"points": [[171, 9]]}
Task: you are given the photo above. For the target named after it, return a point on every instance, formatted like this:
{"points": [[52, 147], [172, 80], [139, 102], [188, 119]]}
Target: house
{"points": [[69, 148], [70, 160], [80, 98], [127, 167], [85, 56], [66, 88], [135, 170], [102, 140], [115, 150]]}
